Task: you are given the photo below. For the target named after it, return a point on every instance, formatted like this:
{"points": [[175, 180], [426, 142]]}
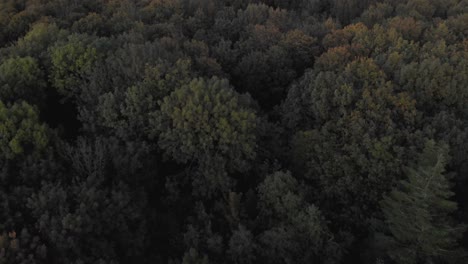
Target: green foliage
{"points": [[242, 246], [354, 116], [129, 114], [207, 118], [192, 257], [376, 13], [21, 78], [70, 61], [38, 39], [93, 23], [21, 130], [418, 211], [297, 232], [106, 214]]}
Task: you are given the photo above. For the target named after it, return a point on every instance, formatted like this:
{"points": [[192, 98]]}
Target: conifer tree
{"points": [[417, 212]]}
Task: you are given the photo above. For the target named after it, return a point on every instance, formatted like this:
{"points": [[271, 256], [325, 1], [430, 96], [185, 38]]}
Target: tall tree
{"points": [[418, 211]]}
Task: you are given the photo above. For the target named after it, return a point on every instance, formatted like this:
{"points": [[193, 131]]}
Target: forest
{"points": [[233, 131]]}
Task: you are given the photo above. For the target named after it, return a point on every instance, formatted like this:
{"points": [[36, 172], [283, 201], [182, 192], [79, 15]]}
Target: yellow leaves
{"points": [[356, 30], [298, 37]]}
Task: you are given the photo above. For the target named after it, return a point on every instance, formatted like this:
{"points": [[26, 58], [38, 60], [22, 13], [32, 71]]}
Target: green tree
{"points": [[92, 215], [350, 147], [21, 78], [21, 130], [193, 257], [207, 118], [70, 62], [242, 246], [296, 231], [93, 23], [37, 41], [376, 14], [128, 113], [418, 211]]}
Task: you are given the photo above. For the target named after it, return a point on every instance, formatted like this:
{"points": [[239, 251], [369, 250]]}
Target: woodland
{"points": [[233, 131]]}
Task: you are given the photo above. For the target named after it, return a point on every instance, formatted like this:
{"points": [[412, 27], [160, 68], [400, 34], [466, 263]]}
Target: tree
{"points": [[346, 10], [376, 14], [193, 257], [128, 112], [296, 231], [176, 163], [21, 130], [242, 246], [21, 78], [408, 27], [24, 162], [93, 23], [349, 146], [207, 118], [420, 9], [70, 61], [37, 41], [418, 211], [301, 47], [15, 22], [91, 214], [21, 248]]}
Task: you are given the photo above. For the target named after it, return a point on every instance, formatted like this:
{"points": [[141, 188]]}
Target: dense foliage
{"points": [[233, 131]]}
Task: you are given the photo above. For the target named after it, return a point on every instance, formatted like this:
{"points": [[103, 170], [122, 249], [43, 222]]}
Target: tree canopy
{"points": [[233, 131]]}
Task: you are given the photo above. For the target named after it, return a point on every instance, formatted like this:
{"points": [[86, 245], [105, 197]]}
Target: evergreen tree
{"points": [[418, 212]]}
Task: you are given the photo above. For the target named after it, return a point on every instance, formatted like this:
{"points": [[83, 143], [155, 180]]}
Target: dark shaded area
{"points": [[61, 116]]}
